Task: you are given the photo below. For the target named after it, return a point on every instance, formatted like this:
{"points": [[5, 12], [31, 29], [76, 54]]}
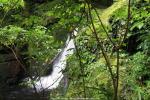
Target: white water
{"points": [[52, 81]]}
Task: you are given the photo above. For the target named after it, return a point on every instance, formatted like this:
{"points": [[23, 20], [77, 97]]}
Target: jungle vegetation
{"points": [[112, 47]]}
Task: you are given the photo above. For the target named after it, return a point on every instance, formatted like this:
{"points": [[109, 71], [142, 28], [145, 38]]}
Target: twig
{"points": [[15, 55], [101, 23], [100, 43], [81, 67], [128, 20]]}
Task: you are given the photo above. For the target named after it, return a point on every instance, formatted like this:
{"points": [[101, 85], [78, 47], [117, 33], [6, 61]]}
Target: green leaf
{"points": [[138, 25]]}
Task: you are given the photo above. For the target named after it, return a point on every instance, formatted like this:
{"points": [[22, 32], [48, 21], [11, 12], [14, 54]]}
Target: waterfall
{"points": [[52, 81], [49, 82]]}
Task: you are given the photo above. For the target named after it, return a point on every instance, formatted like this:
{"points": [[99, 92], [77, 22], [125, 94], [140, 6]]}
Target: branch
{"points": [[100, 43], [81, 67], [128, 20], [15, 55], [101, 23]]}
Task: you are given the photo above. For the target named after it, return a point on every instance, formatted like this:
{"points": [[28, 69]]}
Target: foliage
{"points": [[136, 81], [134, 70], [39, 30], [137, 77], [9, 34], [37, 33]]}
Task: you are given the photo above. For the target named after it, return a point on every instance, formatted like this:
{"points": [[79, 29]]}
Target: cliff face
{"points": [[11, 66]]}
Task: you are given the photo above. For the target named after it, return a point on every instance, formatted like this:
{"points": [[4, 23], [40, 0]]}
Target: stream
{"points": [[45, 84], [52, 81]]}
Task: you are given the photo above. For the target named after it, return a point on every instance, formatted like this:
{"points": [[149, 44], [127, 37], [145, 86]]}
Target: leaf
{"points": [[138, 25]]}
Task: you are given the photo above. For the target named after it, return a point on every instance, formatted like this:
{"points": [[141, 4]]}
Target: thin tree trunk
{"points": [[101, 47], [81, 68], [117, 77]]}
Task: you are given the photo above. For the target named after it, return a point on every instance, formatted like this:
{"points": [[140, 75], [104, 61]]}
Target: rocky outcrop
{"points": [[11, 70]]}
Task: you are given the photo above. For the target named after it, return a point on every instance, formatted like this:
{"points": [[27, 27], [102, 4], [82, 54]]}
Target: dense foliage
{"points": [[134, 58], [111, 61], [39, 29]]}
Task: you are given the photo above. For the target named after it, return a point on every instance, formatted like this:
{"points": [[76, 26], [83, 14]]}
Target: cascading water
{"points": [[52, 81], [45, 83]]}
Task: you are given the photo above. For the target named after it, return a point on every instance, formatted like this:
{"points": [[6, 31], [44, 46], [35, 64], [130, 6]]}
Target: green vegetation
{"points": [[112, 47]]}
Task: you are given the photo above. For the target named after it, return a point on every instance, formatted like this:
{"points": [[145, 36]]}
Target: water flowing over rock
{"points": [[41, 88], [52, 81]]}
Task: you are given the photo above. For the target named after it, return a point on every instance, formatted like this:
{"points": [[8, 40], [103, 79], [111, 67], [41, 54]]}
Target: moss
{"points": [[106, 13]]}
